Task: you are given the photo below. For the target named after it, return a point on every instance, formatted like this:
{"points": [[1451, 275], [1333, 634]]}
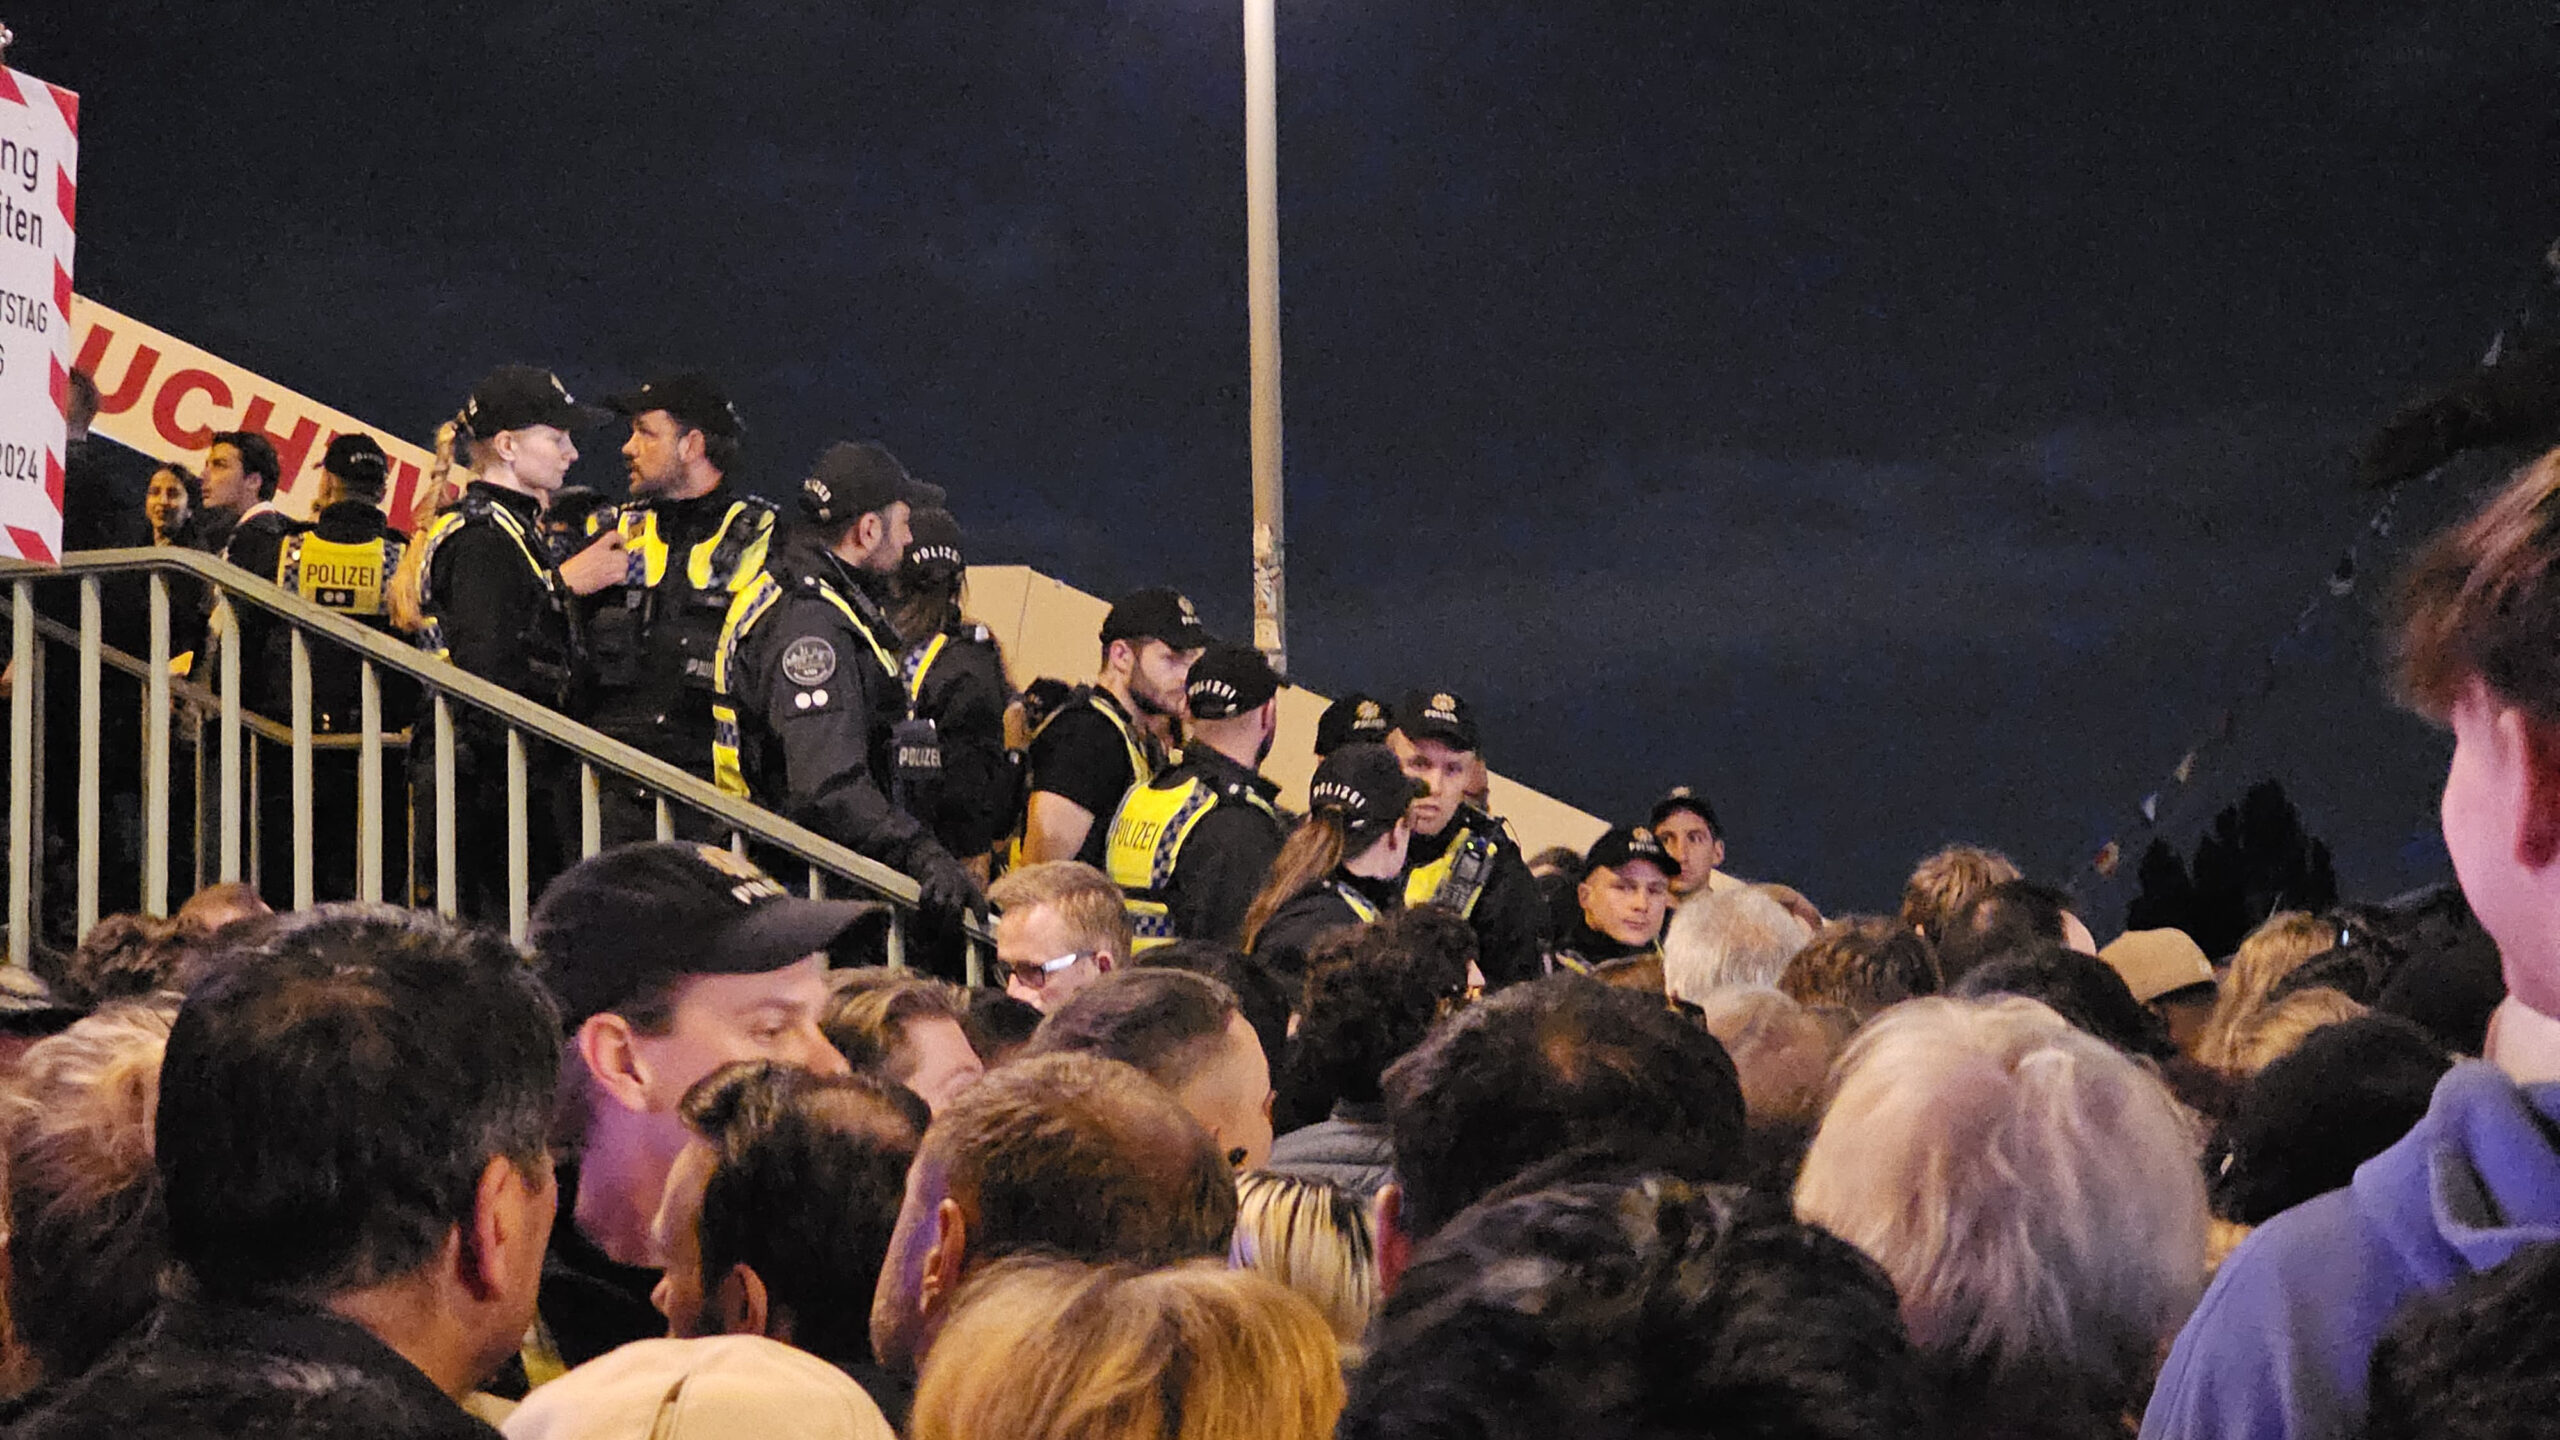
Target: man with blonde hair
{"points": [[1729, 937], [1946, 879], [1060, 926], [2282, 1344]]}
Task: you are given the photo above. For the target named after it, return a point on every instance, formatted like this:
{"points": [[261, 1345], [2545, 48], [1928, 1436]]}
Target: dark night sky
{"points": [[1905, 422]]}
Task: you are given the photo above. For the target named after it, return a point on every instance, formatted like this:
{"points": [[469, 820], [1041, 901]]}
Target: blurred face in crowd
{"points": [[1627, 903], [1029, 941], [227, 482], [723, 1018], [1694, 845], [675, 1238], [164, 503], [655, 456], [1444, 771], [942, 1060], [540, 456], [1231, 1097], [1159, 676]]}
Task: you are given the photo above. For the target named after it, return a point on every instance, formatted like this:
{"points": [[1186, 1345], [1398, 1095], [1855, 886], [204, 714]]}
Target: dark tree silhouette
{"points": [[2254, 860]]}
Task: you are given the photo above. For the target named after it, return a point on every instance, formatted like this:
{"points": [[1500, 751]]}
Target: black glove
{"points": [[947, 895]]}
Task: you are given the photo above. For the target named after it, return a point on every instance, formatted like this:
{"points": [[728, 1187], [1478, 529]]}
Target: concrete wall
{"points": [[1049, 628]]}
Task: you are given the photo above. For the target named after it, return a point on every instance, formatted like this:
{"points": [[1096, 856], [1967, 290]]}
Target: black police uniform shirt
{"points": [[1079, 756], [816, 708], [1510, 918], [645, 698], [496, 614], [336, 683], [254, 544], [1228, 855], [1312, 914], [964, 694], [590, 1302]]}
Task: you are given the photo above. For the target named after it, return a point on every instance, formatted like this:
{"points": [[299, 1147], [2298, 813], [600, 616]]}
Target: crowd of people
{"points": [[1358, 1122]]}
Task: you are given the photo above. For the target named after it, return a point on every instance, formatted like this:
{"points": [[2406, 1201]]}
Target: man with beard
{"points": [[691, 543], [1111, 736], [809, 691], [1463, 859], [1191, 847]]}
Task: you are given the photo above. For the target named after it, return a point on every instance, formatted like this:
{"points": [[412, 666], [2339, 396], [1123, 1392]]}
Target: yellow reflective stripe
{"points": [[922, 667], [1359, 903], [697, 565], [1148, 817]]}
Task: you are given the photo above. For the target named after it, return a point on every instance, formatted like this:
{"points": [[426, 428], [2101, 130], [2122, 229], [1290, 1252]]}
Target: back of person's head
{"points": [[1372, 998], [1646, 1310], [2033, 1191], [2082, 989], [1782, 1050], [1044, 1349], [806, 1178], [1168, 1023], [1313, 1237], [2481, 603], [2277, 948], [1087, 905], [257, 456], [123, 957], [1082, 1156], [1863, 964], [2279, 1029], [1729, 937], [87, 1235], [1552, 1066], [210, 909], [1944, 881], [2478, 1360], [869, 1023], [998, 1025], [2006, 919], [1260, 997], [2302, 1125], [334, 1095]]}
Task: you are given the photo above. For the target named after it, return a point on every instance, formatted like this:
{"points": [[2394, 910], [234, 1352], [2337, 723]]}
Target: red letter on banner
{"points": [[164, 407], [290, 453]]}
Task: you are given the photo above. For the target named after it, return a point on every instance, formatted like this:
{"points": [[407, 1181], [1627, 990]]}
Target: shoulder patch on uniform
{"points": [[808, 660]]}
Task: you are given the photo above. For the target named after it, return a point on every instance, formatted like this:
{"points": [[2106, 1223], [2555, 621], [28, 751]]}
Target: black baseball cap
{"points": [[1681, 797], [1438, 715], [1364, 782], [854, 478], [1354, 717], [357, 459], [1229, 680], [937, 539], [515, 396], [690, 396], [1627, 845], [626, 920], [1156, 614]]}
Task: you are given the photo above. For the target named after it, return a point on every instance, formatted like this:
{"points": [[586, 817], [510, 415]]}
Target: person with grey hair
{"points": [[1729, 937]]}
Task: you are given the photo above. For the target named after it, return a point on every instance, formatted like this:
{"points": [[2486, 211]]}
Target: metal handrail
{"points": [[441, 683]]}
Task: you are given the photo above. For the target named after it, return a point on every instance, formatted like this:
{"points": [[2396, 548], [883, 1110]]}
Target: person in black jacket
{"points": [[1463, 858], [1191, 847], [1622, 901], [1343, 866], [956, 686]]}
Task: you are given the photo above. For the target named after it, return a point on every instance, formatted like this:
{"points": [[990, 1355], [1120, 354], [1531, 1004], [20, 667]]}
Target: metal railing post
{"points": [[590, 811], [448, 878], [369, 785], [22, 772], [304, 838], [92, 722], [666, 819], [155, 756], [519, 841], [226, 618], [897, 939]]}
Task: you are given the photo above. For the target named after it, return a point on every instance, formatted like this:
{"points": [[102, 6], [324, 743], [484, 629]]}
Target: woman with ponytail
{"points": [[1344, 865]]}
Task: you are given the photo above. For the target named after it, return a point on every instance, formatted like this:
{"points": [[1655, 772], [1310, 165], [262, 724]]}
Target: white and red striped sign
{"points": [[39, 181], [167, 398]]}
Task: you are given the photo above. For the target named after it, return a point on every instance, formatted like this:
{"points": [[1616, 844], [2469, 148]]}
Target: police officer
{"points": [[954, 772], [1353, 719], [341, 562], [1191, 847], [691, 544], [1462, 858], [1343, 866], [810, 689], [1624, 897], [497, 603], [1111, 735]]}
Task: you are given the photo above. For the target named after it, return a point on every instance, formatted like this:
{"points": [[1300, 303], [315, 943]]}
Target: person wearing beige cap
{"points": [[722, 1387], [2167, 971]]}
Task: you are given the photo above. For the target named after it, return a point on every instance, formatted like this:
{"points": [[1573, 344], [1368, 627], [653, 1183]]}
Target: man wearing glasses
{"points": [[1060, 926]]}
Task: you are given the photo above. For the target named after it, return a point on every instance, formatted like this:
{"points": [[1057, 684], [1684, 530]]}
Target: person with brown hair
{"points": [[1863, 964], [1343, 866], [1945, 879], [1046, 1349], [1186, 1032], [1067, 1155], [909, 1030]]}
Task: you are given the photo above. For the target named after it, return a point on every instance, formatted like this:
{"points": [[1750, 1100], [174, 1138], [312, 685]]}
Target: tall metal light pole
{"points": [[1262, 300]]}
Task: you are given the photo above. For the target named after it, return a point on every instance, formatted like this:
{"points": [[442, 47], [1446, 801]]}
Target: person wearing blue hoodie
{"points": [[2281, 1344]]}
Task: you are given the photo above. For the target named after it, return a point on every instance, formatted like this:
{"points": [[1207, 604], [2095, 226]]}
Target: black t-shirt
{"points": [[590, 1302], [1081, 757]]}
